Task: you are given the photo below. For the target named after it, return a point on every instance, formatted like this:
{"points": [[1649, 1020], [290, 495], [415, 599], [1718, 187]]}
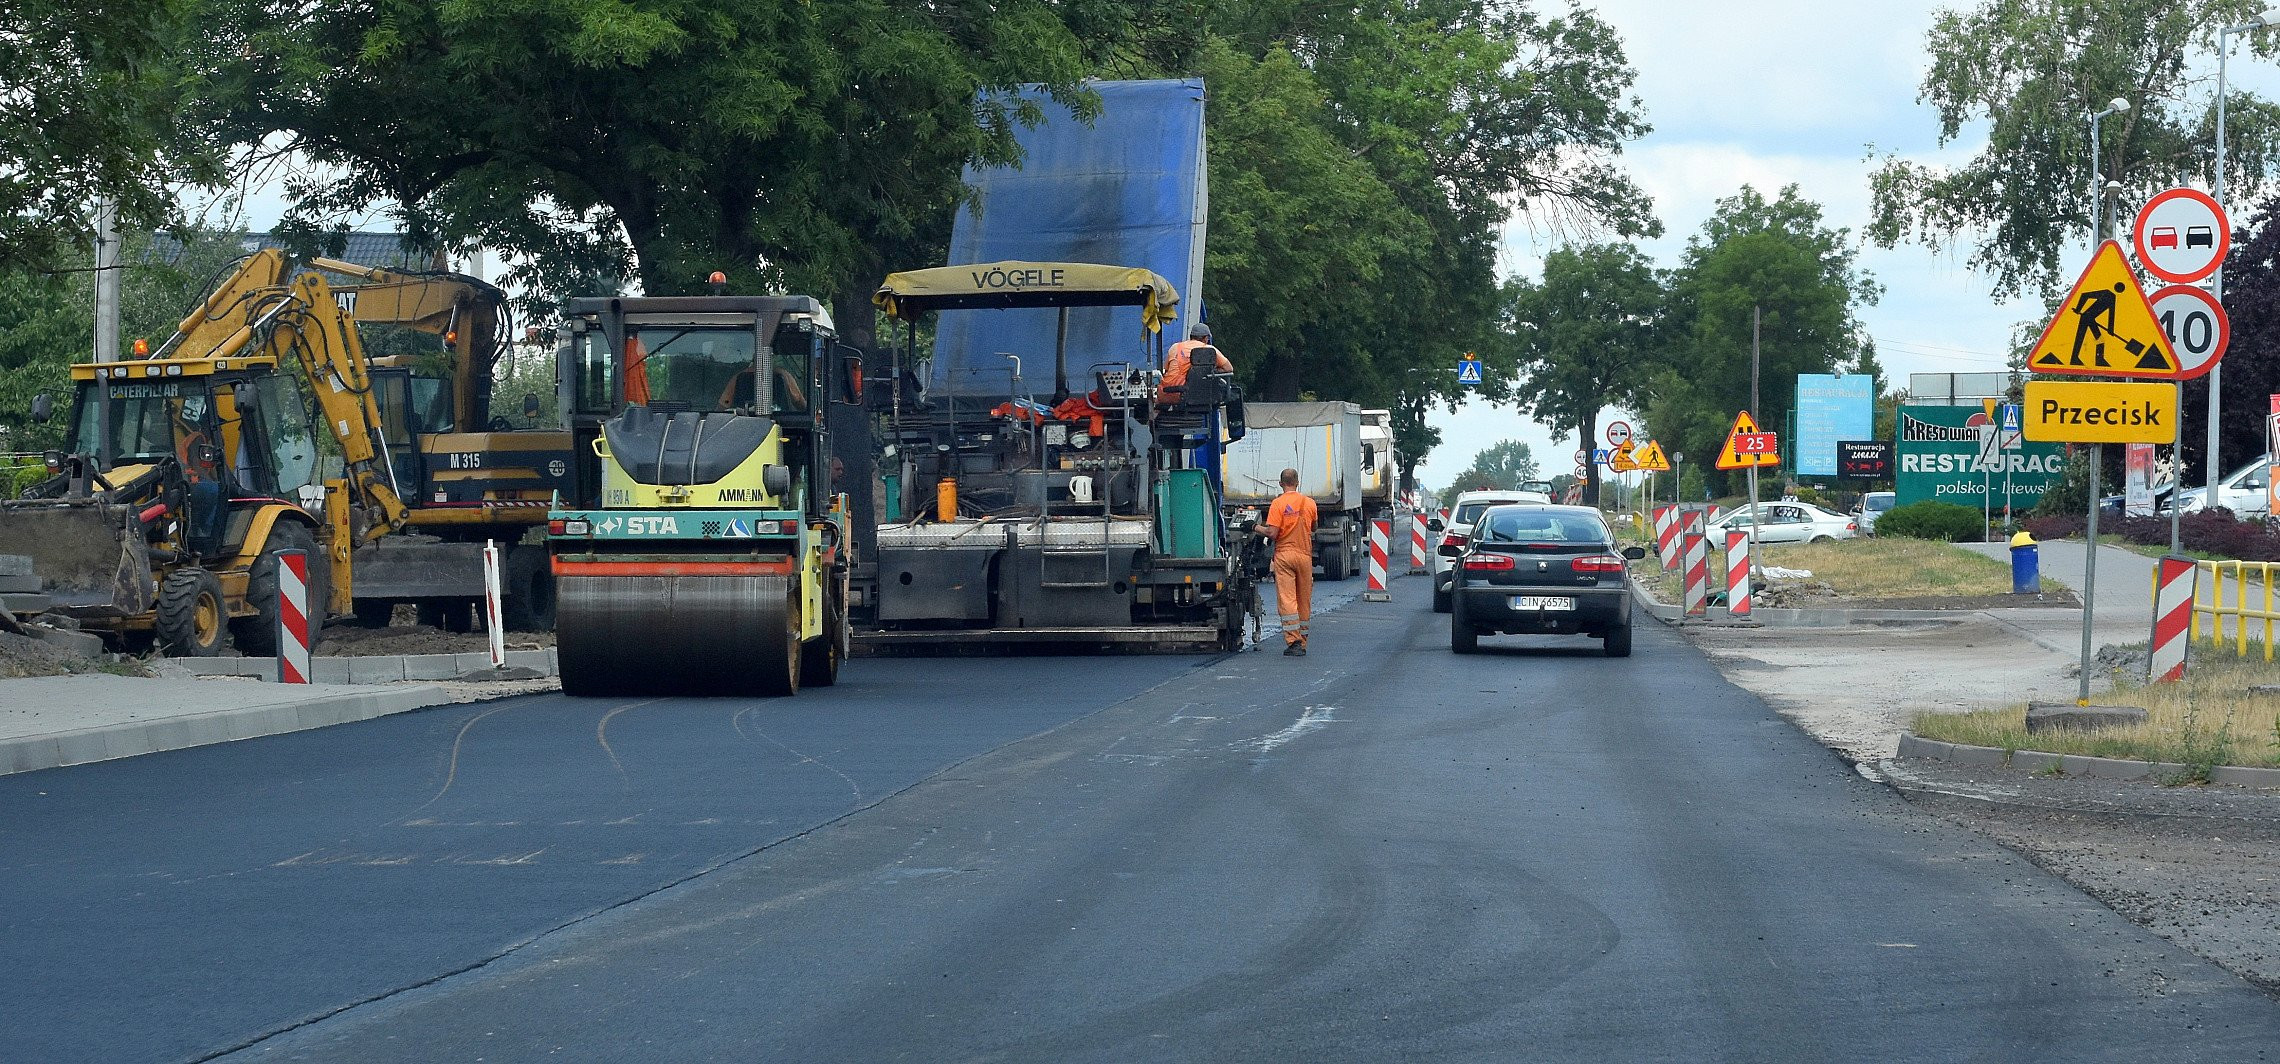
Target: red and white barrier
{"points": [[292, 616], [1697, 548], [1666, 535], [2174, 581], [491, 604], [1381, 530], [1738, 575], [1416, 544]]}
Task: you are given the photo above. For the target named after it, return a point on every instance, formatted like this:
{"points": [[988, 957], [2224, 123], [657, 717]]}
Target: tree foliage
{"points": [[2030, 72], [88, 105], [1773, 257], [1584, 337], [1503, 465]]}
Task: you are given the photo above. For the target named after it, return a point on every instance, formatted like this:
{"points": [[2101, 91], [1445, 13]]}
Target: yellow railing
{"points": [[2211, 580]]}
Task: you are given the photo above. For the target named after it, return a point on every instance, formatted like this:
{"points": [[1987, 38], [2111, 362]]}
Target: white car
{"points": [[2242, 492], [1462, 514], [1784, 522], [1872, 506]]}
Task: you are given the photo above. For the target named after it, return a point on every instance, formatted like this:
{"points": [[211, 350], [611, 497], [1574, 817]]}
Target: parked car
{"points": [[1538, 569], [1467, 509], [2241, 491], [1785, 522], [1871, 507]]}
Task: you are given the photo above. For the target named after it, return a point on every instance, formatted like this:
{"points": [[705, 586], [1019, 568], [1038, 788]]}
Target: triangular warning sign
{"points": [[1746, 446], [1623, 460], [1650, 456], [2105, 327]]}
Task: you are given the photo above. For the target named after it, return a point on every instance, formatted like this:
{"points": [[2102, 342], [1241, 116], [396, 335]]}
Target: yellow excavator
{"points": [[185, 473]]}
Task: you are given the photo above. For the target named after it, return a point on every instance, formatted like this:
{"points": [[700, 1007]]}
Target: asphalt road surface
{"points": [[1378, 852]]}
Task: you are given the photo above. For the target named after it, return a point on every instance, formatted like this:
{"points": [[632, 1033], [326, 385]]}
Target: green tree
{"points": [[2027, 72], [1503, 465], [88, 106], [788, 144], [1584, 337], [1774, 257]]}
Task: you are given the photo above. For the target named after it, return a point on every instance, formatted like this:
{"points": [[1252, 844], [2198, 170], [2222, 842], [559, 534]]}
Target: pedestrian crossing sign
{"points": [[1468, 372], [1650, 457], [2105, 326]]}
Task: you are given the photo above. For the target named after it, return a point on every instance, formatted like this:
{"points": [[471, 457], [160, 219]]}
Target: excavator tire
{"points": [[256, 636], [698, 635], [528, 603], [192, 618]]}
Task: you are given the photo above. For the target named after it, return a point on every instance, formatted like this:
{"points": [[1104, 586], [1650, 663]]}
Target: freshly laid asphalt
{"points": [[1379, 852]]}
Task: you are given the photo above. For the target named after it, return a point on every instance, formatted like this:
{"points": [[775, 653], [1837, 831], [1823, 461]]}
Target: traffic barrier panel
{"points": [[2174, 580], [1416, 543], [292, 616], [1381, 530], [1738, 575], [491, 604], [1697, 551], [1667, 520]]}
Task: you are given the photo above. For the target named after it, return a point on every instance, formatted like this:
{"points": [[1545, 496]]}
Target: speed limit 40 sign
{"points": [[2196, 325]]}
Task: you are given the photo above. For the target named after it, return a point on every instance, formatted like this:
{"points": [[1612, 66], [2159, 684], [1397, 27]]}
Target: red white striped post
{"points": [[1666, 535], [1381, 531], [2174, 583], [491, 604], [1738, 575], [292, 616], [1416, 544], [1697, 543]]}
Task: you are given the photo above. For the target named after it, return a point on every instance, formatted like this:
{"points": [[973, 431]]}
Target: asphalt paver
{"points": [[1382, 851]]}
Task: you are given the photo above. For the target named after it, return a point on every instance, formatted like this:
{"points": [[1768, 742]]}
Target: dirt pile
{"points": [[350, 641]]}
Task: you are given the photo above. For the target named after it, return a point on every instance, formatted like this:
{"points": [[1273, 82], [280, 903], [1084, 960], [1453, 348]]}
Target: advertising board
{"points": [[1940, 459]]}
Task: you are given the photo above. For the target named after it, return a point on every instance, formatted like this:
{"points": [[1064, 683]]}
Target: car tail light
{"points": [[554, 528], [1597, 563], [1493, 563], [1852, 526], [1454, 539]]}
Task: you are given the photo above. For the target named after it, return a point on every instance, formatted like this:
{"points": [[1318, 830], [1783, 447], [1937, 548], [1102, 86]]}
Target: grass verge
{"points": [[1870, 569], [2207, 719]]}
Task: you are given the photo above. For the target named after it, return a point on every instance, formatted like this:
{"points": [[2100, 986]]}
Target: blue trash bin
{"points": [[2026, 565]]}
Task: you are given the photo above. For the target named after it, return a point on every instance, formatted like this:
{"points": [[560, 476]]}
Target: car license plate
{"points": [[1542, 602]]}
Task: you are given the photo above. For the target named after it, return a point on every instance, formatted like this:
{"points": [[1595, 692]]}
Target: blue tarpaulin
{"points": [[1128, 189]]}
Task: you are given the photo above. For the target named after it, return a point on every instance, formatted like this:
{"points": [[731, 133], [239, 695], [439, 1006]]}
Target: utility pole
{"points": [[106, 319], [1756, 320]]}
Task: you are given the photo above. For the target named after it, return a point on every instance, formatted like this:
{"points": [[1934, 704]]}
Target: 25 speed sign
{"points": [[2196, 325]]}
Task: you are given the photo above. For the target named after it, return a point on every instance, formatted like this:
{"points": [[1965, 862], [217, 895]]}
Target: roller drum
{"points": [[706, 635]]}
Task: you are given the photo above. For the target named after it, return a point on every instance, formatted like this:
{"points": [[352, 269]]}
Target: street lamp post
{"points": [[2217, 279], [2097, 451]]}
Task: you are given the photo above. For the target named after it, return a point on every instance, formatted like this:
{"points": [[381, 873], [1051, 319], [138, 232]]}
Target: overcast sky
{"points": [[1769, 93]]}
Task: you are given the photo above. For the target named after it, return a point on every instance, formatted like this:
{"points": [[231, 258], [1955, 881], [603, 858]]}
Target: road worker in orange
{"points": [[1180, 359], [1290, 523]]}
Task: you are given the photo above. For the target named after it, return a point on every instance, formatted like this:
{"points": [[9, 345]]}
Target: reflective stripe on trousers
{"points": [[1294, 593]]}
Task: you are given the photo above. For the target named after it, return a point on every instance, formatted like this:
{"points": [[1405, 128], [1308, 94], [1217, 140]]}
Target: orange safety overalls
{"points": [[1293, 516]]}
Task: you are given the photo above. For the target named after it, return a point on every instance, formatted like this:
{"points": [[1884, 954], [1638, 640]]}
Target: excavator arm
{"points": [[466, 312], [305, 319]]}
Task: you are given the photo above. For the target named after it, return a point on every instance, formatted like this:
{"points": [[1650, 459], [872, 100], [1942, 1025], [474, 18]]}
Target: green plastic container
{"points": [[1187, 516]]}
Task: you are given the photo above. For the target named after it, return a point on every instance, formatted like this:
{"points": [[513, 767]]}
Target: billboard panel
{"points": [[1829, 409], [1940, 459]]}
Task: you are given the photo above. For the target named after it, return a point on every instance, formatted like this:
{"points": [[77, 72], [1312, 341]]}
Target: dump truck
{"points": [[185, 475], [703, 544], [1323, 441]]}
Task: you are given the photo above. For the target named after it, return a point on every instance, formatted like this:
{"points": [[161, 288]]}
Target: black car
{"points": [[1533, 569]]}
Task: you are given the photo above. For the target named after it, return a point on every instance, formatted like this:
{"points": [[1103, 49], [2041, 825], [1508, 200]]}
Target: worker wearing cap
{"points": [[1176, 362], [1290, 523]]}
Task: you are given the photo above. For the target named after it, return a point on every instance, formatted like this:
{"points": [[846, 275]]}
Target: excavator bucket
{"points": [[91, 558]]}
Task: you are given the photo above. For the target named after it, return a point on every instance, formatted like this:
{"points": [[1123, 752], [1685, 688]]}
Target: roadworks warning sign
{"points": [[2105, 326]]}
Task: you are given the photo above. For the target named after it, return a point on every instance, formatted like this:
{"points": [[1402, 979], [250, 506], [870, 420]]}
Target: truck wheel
{"points": [[820, 656], [191, 615], [526, 585], [1334, 564], [256, 636]]}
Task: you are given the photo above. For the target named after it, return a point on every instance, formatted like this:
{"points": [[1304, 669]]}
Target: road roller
{"points": [[702, 545]]}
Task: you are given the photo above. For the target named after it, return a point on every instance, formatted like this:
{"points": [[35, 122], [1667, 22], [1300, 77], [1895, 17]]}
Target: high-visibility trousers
{"points": [[1294, 593]]}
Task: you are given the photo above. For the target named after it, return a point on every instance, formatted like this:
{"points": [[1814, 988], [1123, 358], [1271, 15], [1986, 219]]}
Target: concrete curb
{"points": [[378, 668], [1913, 745], [1772, 617], [57, 749]]}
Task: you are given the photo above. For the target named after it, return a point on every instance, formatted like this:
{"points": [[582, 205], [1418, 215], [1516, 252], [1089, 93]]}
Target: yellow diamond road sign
{"points": [[2100, 412], [2105, 327]]}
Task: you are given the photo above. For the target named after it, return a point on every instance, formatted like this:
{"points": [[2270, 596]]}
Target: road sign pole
{"points": [[2090, 574], [2177, 481]]}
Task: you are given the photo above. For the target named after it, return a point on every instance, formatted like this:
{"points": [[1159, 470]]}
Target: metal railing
{"points": [[2209, 599]]}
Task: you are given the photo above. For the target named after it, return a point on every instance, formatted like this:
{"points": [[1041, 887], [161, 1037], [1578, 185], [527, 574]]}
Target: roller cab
{"points": [[702, 546]]}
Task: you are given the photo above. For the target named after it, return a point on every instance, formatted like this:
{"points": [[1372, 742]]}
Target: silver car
{"points": [[1458, 531], [1785, 522]]}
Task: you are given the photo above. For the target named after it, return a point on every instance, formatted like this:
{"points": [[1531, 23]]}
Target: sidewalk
{"points": [[50, 721], [2124, 611]]}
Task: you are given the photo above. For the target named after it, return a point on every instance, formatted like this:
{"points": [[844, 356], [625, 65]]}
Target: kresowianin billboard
{"points": [[1940, 459]]}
